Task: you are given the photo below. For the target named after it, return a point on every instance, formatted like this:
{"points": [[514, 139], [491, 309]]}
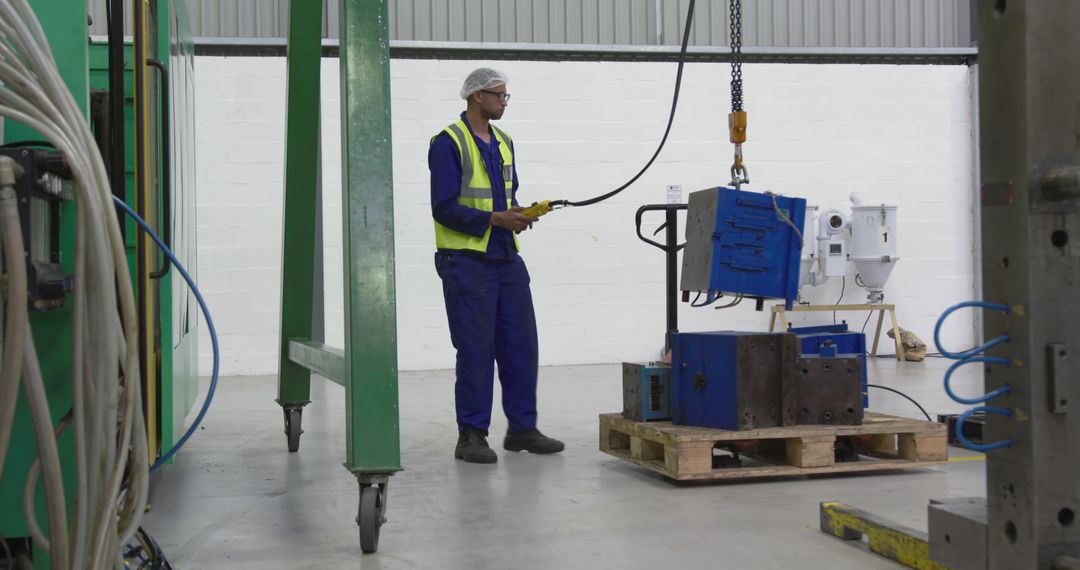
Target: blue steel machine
{"points": [[733, 380], [832, 341], [647, 391], [744, 244], [743, 380]]}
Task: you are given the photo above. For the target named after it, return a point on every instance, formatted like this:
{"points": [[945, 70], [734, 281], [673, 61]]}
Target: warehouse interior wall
{"points": [[895, 134]]}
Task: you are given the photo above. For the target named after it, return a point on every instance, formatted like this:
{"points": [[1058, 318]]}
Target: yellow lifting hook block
{"points": [[538, 209], [737, 125]]}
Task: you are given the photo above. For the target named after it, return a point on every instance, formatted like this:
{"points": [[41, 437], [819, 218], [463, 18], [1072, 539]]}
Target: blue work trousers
{"points": [[490, 310]]}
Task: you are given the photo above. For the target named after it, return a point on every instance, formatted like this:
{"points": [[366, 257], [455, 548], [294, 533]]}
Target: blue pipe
{"points": [[985, 346], [959, 431], [970, 360], [209, 325]]}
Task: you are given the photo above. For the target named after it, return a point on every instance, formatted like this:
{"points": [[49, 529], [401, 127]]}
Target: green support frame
{"points": [[367, 367], [301, 185]]}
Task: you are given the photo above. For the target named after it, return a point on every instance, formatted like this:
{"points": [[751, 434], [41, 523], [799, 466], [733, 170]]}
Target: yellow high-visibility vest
{"points": [[476, 186]]}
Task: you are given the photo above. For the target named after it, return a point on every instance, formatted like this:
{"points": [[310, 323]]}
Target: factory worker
{"points": [[489, 305]]}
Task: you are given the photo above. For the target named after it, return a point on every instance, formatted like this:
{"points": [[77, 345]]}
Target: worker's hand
{"points": [[512, 219], [521, 210]]}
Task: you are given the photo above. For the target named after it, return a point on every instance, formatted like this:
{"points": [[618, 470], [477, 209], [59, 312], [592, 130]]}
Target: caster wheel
{"points": [[292, 428], [370, 517]]}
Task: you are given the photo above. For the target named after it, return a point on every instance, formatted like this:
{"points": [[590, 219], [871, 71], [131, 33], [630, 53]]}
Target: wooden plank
{"points": [[688, 460], [646, 450], [884, 443], [830, 308], [914, 447], [781, 470], [815, 451], [772, 471], [610, 439], [685, 453], [873, 423]]}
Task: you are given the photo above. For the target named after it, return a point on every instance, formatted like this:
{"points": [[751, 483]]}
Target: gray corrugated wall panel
{"points": [[523, 23], [507, 21], [331, 21], [246, 26], [674, 19], [207, 22], [266, 22], [965, 23], [762, 30], [458, 25], [574, 33], [590, 14], [440, 20], [489, 18], [766, 23], [423, 22], [606, 22], [282, 19], [811, 28], [640, 13], [556, 15], [841, 24], [872, 23], [405, 20], [651, 23]]}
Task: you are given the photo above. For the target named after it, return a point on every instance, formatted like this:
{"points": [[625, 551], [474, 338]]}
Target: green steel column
{"points": [[301, 179], [373, 444]]}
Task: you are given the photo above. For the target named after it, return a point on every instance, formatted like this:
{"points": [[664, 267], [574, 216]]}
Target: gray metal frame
{"points": [[406, 49], [1030, 172]]}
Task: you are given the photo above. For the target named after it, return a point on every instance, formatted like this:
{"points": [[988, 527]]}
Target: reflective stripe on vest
{"points": [[476, 188]]}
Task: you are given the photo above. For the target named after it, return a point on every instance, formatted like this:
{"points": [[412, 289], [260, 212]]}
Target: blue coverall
{"points": [[488, 301]]}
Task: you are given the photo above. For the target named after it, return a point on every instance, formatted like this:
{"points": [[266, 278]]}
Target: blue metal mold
{"points": [[739, 243]]}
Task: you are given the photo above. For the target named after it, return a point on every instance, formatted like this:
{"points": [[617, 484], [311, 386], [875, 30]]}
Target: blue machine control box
{"points": [[734, 380], [835, 341], [743, 243], [646, 391]]}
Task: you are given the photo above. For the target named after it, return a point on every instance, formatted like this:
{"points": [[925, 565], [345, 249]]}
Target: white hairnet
{"points": [[483, 78]]}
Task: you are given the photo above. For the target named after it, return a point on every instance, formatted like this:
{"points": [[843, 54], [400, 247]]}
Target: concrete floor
{"points": [[237, 499]]}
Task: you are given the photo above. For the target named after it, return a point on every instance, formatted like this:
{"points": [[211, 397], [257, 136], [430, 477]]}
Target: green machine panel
{"points": [[52, 330], [171, 156]]}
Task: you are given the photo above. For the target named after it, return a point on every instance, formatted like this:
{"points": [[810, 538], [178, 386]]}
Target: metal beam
{"points": [[301, 184], [407, 49], [326, 361], [1030, 128], [372, 431], [886, 538]]}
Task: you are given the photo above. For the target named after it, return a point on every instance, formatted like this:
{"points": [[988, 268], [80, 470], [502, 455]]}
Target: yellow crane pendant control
{"points": [[538, 209]]}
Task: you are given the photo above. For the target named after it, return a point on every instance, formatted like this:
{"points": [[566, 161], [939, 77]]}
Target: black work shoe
{"points": [[472, 447], [532, 441]]}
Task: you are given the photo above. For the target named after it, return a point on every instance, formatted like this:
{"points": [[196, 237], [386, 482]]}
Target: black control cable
{"points": [[671, 119], [909, 398]]}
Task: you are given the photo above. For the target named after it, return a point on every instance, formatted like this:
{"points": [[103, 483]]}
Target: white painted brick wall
{"points": [[891, 133]]}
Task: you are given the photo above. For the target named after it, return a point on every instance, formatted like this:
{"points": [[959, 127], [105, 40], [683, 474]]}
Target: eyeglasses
{"points": [[503, 96]]}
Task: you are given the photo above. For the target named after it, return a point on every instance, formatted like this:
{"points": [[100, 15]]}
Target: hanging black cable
{"points": [[909, 398], [671, 119], [116, 153], [843, 285]]}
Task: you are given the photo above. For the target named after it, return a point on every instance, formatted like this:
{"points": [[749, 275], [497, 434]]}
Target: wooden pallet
{"points": [[882, 442]]}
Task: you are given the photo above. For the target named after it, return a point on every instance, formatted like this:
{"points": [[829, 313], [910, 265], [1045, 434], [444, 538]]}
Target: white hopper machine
{"points": [[865, 236]]}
